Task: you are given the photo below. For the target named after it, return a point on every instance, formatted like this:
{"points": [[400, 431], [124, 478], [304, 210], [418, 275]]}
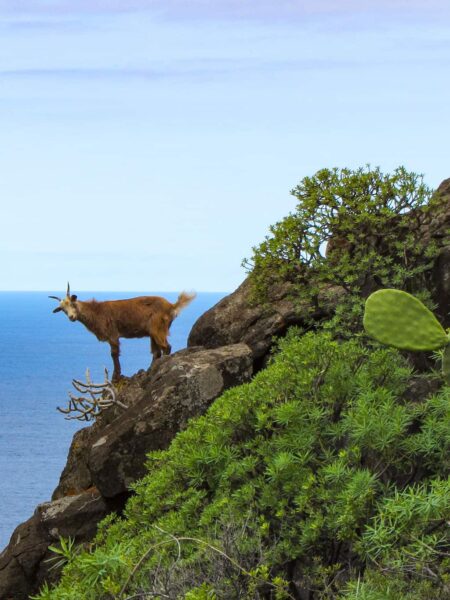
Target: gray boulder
{"points": [[236, 318], [111, 454], [24, 563], [181, 387]]}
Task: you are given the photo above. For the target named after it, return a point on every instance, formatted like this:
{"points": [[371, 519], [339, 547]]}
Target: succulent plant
{"points": [[397, 319]]}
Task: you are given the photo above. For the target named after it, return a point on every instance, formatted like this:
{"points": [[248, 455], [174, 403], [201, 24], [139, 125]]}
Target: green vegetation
{"points": [[400, 320], [372, 223], [329, 472], [326, 461]]}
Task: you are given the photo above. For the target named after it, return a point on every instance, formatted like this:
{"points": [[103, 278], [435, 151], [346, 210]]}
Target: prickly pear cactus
{"points": [[398, 319]]}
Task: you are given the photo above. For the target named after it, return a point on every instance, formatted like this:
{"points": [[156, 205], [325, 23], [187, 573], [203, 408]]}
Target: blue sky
{"points": [[148, 145]]}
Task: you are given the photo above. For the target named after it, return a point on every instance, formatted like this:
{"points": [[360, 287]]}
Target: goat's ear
{"points": [[73, 297], [57, 309]]}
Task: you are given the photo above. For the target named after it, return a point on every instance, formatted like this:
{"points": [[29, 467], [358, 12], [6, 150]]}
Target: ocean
{"points": [[40, 354]]}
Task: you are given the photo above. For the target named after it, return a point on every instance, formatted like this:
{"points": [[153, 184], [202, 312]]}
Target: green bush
{"points": [[326, 460], [372, 222]]}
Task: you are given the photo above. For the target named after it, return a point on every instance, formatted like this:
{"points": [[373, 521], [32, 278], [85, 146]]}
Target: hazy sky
{"points": [[148, 145]]}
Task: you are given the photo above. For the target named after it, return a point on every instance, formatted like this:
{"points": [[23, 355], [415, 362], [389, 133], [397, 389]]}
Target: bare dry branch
{"points": [[94, 398], [177, 540]]}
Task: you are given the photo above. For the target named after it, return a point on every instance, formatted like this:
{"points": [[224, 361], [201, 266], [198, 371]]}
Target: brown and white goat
{"points": [[144, 316]]}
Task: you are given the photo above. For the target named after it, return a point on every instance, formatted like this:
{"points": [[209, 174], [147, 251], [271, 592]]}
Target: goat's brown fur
{"points": [[144, 316]]}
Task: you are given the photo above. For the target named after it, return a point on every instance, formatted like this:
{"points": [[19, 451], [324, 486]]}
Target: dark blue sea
{"points": [[40, 354]]}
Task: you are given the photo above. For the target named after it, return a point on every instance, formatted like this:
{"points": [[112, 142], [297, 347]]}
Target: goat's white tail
{"points": [[183, 300]]}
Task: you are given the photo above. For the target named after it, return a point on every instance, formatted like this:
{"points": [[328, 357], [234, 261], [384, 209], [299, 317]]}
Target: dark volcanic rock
{"points": [[23, 566], [110, 454], [181, 386], [76, 476], [236, 319], [440, 231]]}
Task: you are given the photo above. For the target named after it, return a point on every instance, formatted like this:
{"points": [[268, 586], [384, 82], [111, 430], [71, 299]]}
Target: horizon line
{"points": [[177, 291]]}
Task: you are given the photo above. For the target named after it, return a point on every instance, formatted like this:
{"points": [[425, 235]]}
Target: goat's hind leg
{"points": [[159, 348], [155, 349], [159, 329], [163, 344]]}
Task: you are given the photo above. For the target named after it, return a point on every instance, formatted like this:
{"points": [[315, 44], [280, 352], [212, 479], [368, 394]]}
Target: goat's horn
{"points": [[56, 298], [68, 288]]}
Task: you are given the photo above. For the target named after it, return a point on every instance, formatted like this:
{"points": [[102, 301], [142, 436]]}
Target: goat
{"points": [[144, 316]]}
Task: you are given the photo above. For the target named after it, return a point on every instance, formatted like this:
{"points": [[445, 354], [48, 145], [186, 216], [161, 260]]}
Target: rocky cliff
{"points": [[226, 346]]}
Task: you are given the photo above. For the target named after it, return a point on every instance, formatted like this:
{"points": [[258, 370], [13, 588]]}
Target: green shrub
{"points": [[373, 224], [325, 460]]}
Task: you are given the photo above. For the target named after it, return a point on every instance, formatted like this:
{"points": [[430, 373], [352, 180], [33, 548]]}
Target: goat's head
{"points": [[67, 305]]}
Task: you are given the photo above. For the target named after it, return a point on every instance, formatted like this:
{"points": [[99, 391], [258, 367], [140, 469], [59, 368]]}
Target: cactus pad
{"points": [[398, 319]]}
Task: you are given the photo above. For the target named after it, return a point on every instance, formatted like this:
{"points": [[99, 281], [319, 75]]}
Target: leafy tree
{"points": [[359, 230]]}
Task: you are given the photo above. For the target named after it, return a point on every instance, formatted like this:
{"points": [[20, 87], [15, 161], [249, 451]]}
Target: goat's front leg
{"points": [[115, 353]]}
